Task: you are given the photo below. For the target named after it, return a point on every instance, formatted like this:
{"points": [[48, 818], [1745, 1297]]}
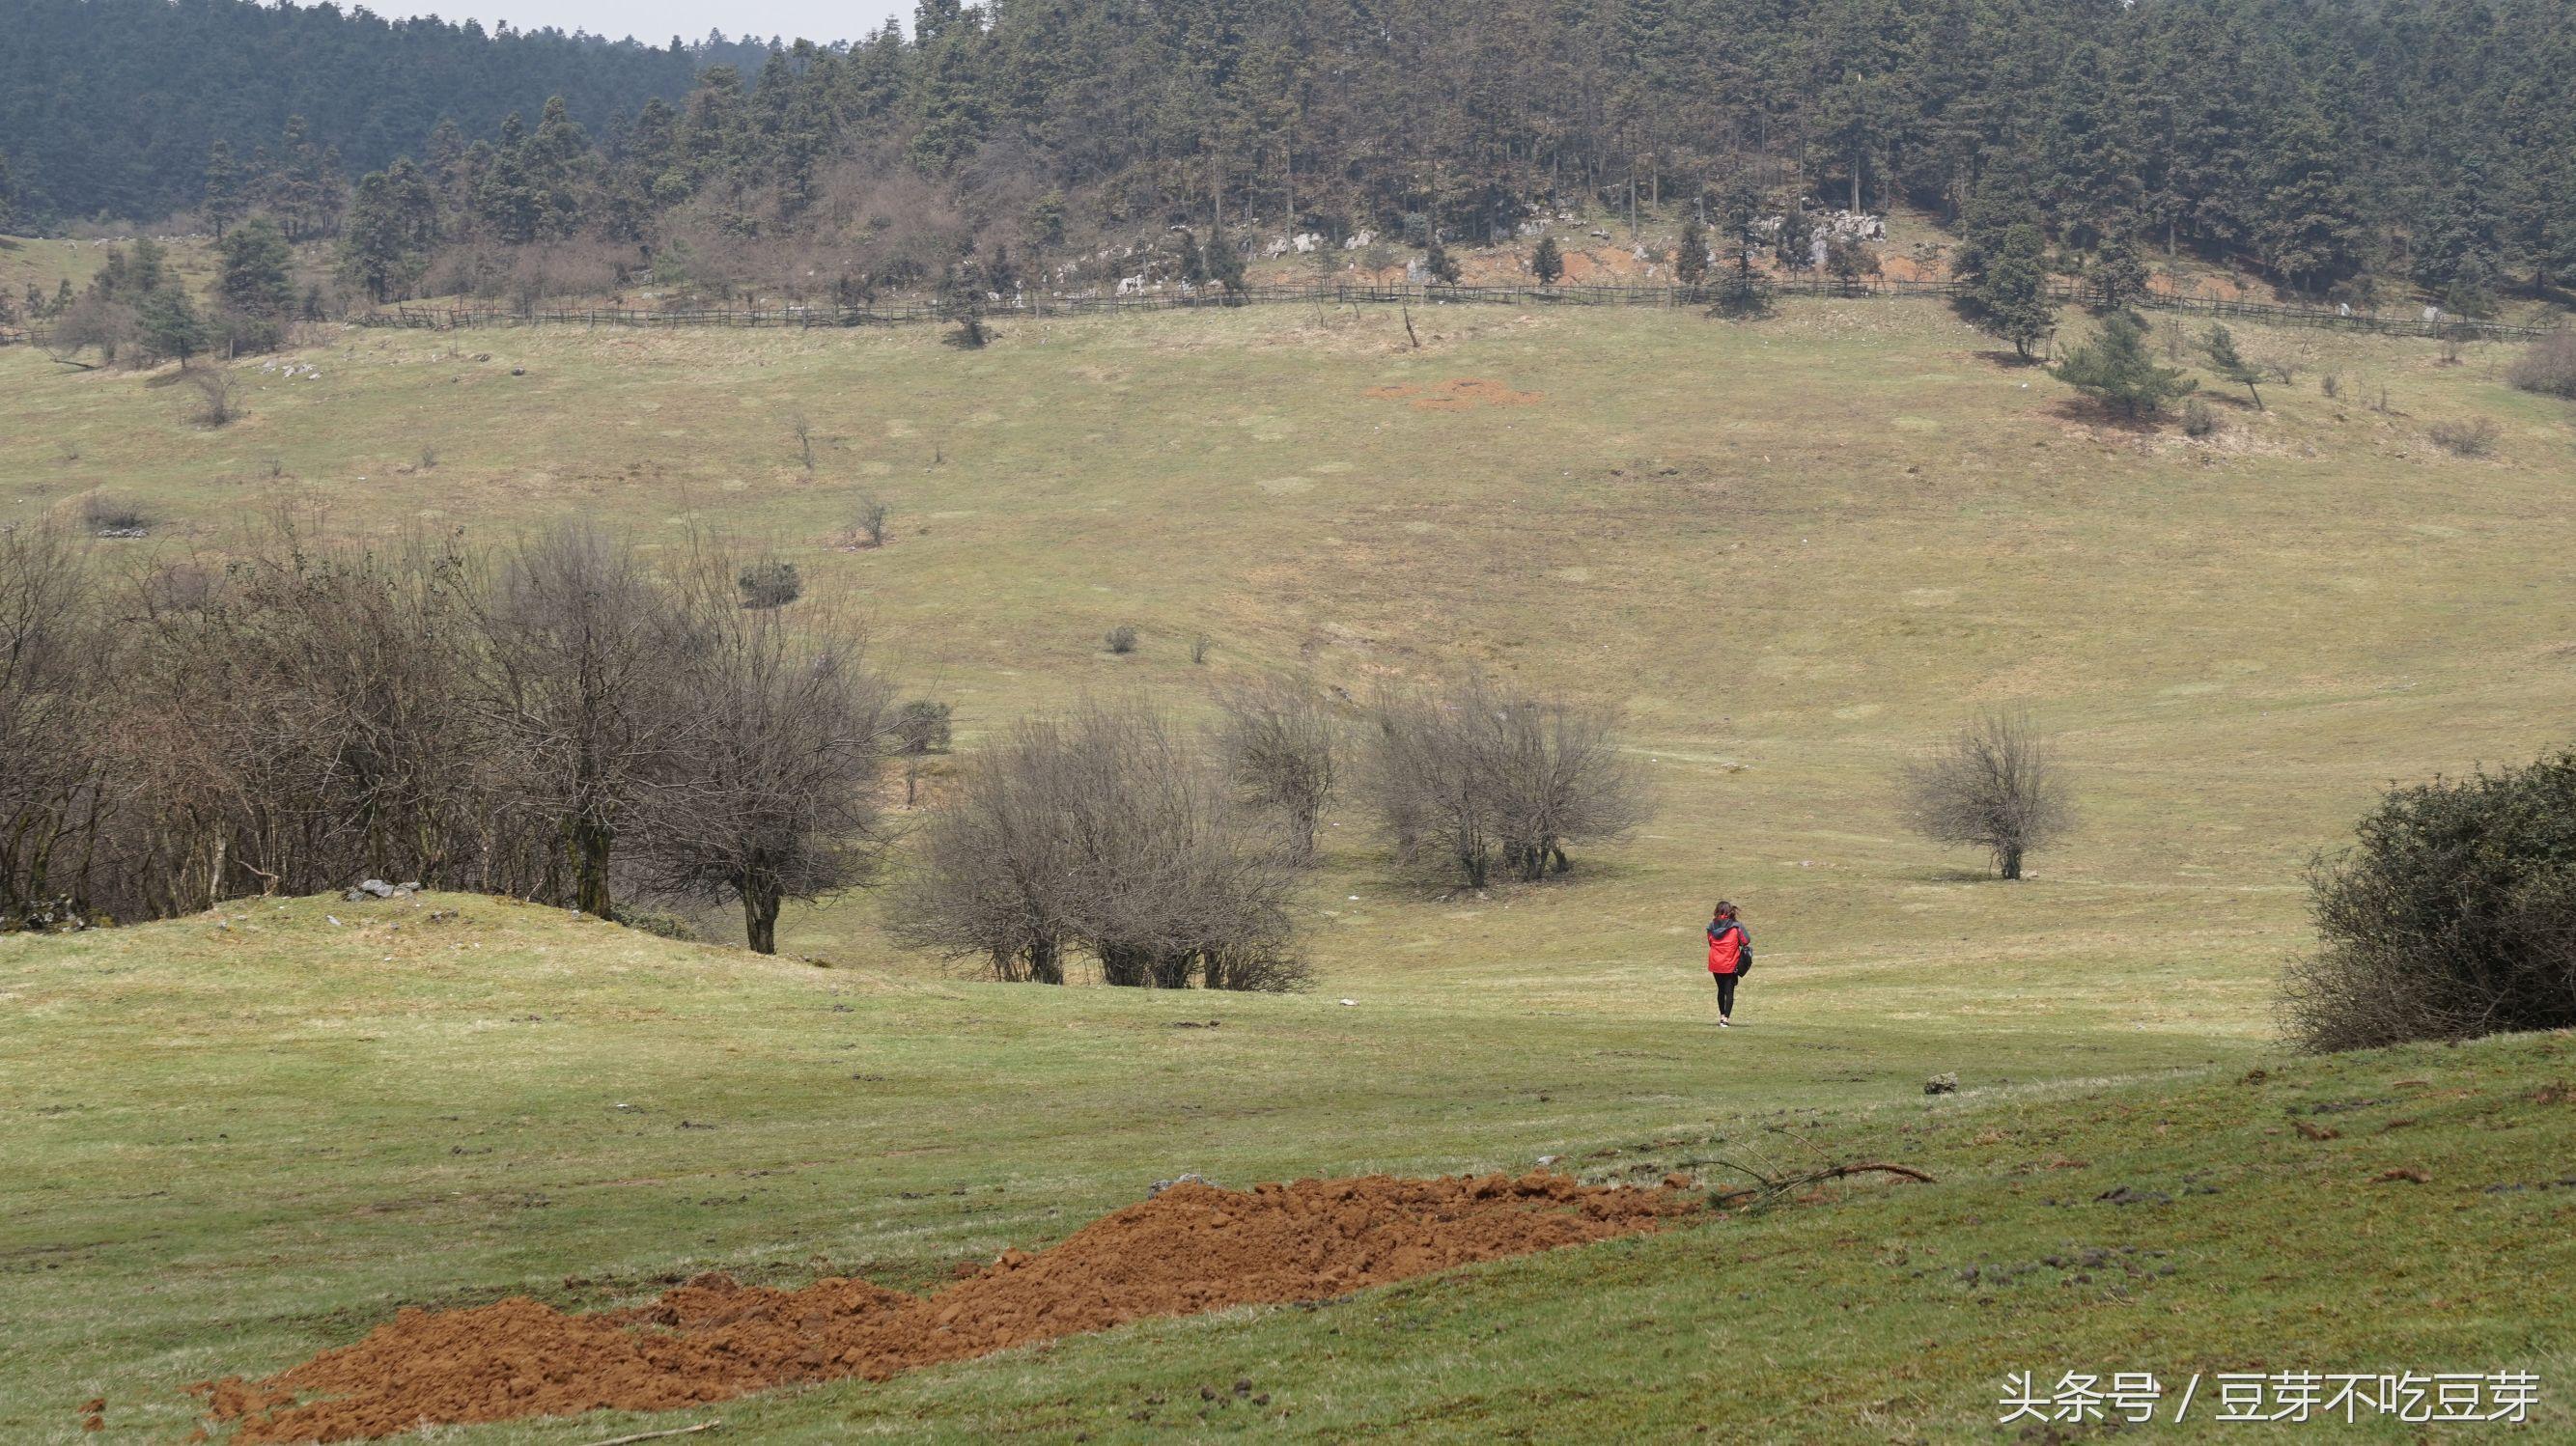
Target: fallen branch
{"points": [[1772, 1187], [658, 1435]]}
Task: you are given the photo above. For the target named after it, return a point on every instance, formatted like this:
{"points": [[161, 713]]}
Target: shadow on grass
{"points": [[1947, 876], [2094, 414]]}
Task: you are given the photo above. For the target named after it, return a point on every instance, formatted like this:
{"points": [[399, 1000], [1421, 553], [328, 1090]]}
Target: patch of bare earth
{"points": [[1191, 1249]]}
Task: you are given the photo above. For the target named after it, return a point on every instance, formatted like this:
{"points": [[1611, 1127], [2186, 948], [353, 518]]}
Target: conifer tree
{"points": [[223, 188], [2231, 364], [2011, 294], [2114, 369], [2117, 277], [1547, 263], [253, 280], [1690, 254], [1438, 263]]}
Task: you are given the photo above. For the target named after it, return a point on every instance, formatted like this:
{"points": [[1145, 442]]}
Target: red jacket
{"points": [[1727, 945]]}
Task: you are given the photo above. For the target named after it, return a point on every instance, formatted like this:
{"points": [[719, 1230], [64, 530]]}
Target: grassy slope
{"points": [[240, 1138], [1795, 550]]}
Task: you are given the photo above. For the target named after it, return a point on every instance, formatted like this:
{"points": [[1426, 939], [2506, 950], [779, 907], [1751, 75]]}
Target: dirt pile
{"points": [[1192, 1248]]}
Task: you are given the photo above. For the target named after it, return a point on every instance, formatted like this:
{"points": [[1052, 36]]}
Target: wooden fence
{"points": [[452, 318], [1362, 294]]}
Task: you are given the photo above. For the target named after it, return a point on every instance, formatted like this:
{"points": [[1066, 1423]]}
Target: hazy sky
{"points": [[656, 21]]}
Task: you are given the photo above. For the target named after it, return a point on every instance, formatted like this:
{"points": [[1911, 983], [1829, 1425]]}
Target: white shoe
{"points": [[1722, 1024]]}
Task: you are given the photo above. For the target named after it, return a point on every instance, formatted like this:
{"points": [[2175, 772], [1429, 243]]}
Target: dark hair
{"points": [[1725, 910]]}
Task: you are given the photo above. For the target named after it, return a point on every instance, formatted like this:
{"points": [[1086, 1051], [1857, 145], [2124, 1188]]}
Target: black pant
{"points": [[1725, 995]]}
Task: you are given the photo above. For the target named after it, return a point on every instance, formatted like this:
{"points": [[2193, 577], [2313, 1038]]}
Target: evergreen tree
{"points": [[169, 322], [1690, 254], [8, 194], [2114, 369], [2307, 233], [377, 245], [1438, 263], [1547, 263], [2117, 278], [1187, 258], [1796, 246], [222, 197], [2460, 244], [253, 280], [2011, 294], [2230, 364], [1224, 261], [1739, 206]]}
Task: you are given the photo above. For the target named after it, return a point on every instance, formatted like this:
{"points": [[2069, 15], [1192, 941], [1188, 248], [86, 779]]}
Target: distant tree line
{"points": [[2433, 143], [111, 106]]}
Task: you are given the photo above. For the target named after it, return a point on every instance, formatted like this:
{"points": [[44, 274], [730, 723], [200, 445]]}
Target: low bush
{"points": [[921, 726], [2197, 419], [2475, 437], [1121, 639], [109, 514], [2549, 367], [2454, 916], [770, 584]]}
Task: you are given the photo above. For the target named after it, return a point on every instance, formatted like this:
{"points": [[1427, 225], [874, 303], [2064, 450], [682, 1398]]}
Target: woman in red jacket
{"points": [[1730, 958]]}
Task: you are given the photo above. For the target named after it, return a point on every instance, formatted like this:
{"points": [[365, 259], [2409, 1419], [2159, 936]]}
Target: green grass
{"points": [[1795, 551], [241, 1138]]}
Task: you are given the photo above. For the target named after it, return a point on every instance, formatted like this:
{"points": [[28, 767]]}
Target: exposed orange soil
{"points": [[1193, 1248], [1456, 396]]}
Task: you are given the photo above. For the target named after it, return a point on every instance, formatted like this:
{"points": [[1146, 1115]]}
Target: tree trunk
{"points": [[1046, 962], [590, 844], [2010, 858], [760, 917]]}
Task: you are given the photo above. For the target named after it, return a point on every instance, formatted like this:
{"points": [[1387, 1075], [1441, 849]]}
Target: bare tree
{"points": [[1281, 746], [992, 872], [302, 715], [579, 671], [768, 791], [872, 520], [803, 431], [1561, 776], [1106, 832], [59, 666], [1470, 774], [1995, 785], [214, 387]]}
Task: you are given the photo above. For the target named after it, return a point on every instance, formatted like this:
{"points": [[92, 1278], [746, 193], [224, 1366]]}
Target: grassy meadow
{"points": [[1796, 552]]}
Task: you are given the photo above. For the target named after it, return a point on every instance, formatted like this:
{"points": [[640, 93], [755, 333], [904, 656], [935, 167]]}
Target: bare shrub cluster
{"points": [[1471, 775], [1102, 833], [2474, 437], [2548, 367], [2453, 916], [552, 721]]}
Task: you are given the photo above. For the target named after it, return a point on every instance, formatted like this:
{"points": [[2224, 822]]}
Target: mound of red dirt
{"points": [[1192, 1248]]}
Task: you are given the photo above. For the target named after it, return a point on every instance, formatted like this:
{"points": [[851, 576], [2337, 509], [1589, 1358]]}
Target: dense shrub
{"points": [[1121, 639], [921, 726], [2454, 916], [769, 583], [2549, 368], [111, 514]]}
